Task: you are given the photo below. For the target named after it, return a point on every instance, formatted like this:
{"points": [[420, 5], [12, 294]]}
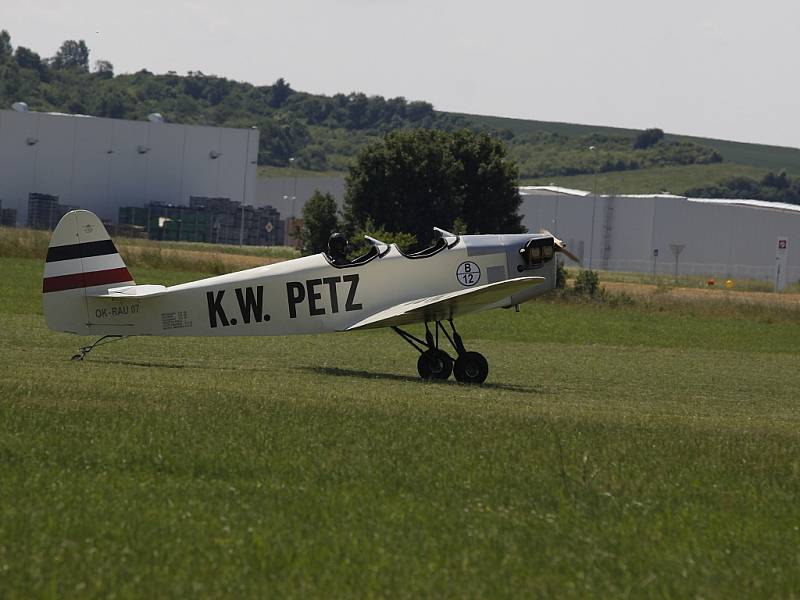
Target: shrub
{"points": [[561, 276], [587, 283]]}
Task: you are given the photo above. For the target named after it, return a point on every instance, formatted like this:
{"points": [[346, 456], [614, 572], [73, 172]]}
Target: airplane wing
{"points": [[446, 306]]}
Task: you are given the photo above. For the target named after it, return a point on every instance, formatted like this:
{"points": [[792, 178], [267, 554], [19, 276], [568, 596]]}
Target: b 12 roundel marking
{"points": [[468, 273]]}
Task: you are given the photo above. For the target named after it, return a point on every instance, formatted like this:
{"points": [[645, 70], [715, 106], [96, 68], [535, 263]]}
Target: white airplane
{"points": [[88, 290]]}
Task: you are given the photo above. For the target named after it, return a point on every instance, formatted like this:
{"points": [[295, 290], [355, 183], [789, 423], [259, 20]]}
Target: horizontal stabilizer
{"points": [[133, 291], [447, 306]]}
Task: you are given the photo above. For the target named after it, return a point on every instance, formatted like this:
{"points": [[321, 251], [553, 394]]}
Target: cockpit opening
{"points": [[442, 239], [339, 247]]}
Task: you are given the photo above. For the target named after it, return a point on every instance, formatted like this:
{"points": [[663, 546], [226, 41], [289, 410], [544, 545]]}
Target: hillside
{"points": [[675, 180], [324, 134], [775, 158]]}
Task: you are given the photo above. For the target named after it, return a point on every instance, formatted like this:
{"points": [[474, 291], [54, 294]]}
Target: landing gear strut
{"points": [[435, 363]]}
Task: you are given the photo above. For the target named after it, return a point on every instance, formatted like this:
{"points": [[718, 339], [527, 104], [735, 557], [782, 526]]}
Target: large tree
{"points": [[319, 222], [5, 46], [72, 55], [414, 180]]}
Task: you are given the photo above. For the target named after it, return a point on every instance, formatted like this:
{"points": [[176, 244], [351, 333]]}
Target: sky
{"points": [[709, 68]]}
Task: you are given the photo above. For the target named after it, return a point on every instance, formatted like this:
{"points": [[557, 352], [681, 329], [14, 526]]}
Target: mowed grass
{"points": [[614, 451]]}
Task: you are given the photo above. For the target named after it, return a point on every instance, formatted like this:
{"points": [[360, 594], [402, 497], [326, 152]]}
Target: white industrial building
{"points": [[643, 233], [102, 164]]}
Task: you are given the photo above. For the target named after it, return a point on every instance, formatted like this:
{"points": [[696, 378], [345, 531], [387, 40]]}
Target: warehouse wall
{"points": [[102, 164], [719, 239]]}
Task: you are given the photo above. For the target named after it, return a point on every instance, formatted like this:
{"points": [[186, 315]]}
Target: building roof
{"points": [[531, 190], [534, 190], [752, 203]]}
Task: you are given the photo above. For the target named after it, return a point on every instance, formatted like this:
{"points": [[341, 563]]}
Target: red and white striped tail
{"points": [[81, 260]]}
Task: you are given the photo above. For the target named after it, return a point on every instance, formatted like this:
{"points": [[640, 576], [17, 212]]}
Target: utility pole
{"points": [[594, 205], [294, 183]]}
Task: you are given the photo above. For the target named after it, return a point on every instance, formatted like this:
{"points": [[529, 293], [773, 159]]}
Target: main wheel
{"points": [[434, 364], [471, 367]]}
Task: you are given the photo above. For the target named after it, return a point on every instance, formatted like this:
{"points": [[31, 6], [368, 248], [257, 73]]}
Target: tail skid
{"points": [[84, 350]]}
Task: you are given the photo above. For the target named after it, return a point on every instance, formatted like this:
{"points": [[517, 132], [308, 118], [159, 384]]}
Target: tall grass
{"points": [[179, 256]]}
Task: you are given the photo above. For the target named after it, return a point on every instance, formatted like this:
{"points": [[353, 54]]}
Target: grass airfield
{"points": [[636, 447]]}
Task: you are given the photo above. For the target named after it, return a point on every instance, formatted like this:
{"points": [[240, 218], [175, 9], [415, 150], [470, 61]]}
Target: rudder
{"points": [[81, 260]]}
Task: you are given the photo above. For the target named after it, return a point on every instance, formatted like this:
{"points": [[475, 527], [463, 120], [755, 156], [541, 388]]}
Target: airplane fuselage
{"points": [[310, 295]]}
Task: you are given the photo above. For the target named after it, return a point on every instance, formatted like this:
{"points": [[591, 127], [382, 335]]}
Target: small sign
{"points": [[781, 263], [468, 273]]}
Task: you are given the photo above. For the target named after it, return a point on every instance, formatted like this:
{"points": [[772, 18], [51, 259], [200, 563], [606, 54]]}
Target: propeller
{"points": [[561, 246]]}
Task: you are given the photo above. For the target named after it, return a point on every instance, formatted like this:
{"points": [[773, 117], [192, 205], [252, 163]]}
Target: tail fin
{"points": [[81, 260]]}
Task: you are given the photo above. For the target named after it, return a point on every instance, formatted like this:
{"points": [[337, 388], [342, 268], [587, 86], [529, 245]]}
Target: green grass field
{"points": [[636, 450]]}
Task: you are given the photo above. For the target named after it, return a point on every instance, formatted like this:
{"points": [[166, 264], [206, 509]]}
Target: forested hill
{"points": [[322, 132]]}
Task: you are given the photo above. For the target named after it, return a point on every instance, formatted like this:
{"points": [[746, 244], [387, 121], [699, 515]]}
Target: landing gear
{"points": [[435, 363], [471, 367]]}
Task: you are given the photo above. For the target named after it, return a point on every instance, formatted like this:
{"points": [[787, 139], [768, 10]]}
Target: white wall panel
{"points": [[97, 164], [91, 177], [231, 181], [630, 231], [200, 172], [720, 240], [164, 162], [17, 160], [55, 156], [128, 165]]}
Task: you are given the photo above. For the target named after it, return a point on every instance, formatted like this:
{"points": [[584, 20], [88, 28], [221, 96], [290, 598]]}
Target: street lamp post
{"points": [[244, 190], [594, 205], [293, 166]]}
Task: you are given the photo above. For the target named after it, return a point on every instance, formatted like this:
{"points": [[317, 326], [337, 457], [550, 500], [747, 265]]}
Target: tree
{"points": [[27, 59], [104, 69], [779, 181], [5, 46], [72, 55], [115, 104], [279, 93], [414, 180], [280, 139], [319, 221], [487, 174], [648, 138], [360, 245]]}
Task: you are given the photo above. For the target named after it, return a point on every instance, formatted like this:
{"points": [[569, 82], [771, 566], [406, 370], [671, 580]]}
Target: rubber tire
{"points": [[434, 364], [471, 367]]}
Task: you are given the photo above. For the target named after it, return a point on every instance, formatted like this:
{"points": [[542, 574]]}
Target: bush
{"points": [[587, 283], [648, 138], [359, 245], [561, 276]]}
